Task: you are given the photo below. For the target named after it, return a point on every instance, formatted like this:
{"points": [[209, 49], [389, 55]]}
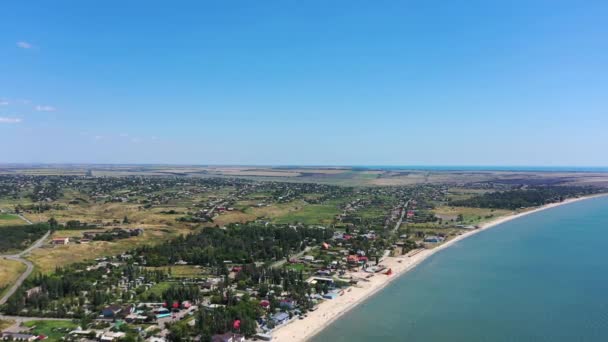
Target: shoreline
{"points": [[330, 310]]}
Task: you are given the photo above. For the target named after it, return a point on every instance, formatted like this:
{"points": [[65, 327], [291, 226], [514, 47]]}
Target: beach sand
{"points": [[329, 310]]}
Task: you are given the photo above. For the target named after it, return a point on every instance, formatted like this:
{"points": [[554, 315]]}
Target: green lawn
{"points": [[10, 220], [157, 289], [295, 267], [181, 271], [55, 330]]}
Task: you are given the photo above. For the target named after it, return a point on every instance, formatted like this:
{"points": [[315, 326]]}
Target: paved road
{"points": [[29, 266], [283, 261], [25, 219], [162, 322], [403, 211]]}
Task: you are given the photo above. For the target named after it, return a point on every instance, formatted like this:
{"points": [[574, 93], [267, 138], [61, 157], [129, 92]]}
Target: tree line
{"points": [[523, 198]]}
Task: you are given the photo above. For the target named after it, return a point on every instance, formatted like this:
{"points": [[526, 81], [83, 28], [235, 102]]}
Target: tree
{"points": [[177, 333], [53, 223]]}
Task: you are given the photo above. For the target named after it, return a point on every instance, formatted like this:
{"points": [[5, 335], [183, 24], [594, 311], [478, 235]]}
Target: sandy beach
{"points": [[328, 311]]}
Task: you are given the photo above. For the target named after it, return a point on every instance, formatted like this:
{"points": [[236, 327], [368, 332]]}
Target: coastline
{"points": [[330, 310]]}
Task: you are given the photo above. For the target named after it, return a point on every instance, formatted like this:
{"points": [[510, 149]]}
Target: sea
{"points": [[541, 277], [482, 168]]}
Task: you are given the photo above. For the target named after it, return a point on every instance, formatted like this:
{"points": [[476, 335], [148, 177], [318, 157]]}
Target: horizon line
{"points": [[443, 167]]}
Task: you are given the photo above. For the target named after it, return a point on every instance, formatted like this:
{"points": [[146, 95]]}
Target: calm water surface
{"points": [[543, 277]]}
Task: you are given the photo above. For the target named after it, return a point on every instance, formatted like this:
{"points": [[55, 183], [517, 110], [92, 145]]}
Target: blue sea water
{"points": [[543, 277], [473, 168]]}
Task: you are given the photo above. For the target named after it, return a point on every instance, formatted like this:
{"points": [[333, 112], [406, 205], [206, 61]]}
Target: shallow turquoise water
{"points": [[543, 277]]}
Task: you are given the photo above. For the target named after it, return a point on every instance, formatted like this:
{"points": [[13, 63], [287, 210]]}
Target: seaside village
{"points": [[148, 295], [253, 279]]}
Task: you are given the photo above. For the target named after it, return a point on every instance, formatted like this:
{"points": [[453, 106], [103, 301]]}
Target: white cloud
{"points": [[45, 108], [123, 135], [24, 45], [3, 103], [98, 137], [135, 140], [9, 120]]}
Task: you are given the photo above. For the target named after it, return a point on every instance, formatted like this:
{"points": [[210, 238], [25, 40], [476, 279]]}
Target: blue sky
{"points": [[305, 82]]}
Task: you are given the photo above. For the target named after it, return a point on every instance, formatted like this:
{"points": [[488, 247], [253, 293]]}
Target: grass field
{"points": [[10, 220], [9, 272], [55, 330], [456, 194], [157, 289], [296, 211], [232, 217], [180, 271], [106, 213], [471, 216], [311, 214], [48, 258]]}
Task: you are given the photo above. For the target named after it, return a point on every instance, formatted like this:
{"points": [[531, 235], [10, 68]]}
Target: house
{"points": [[60, 241], [370, 236], [228, 337], [136, 318], [280, 318], [324, 272], [156, 339], [356, 258], [287, 304], [162, 313], [33, 291], [433, 239], [112, 336], [314, 280], [111, 311]]}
